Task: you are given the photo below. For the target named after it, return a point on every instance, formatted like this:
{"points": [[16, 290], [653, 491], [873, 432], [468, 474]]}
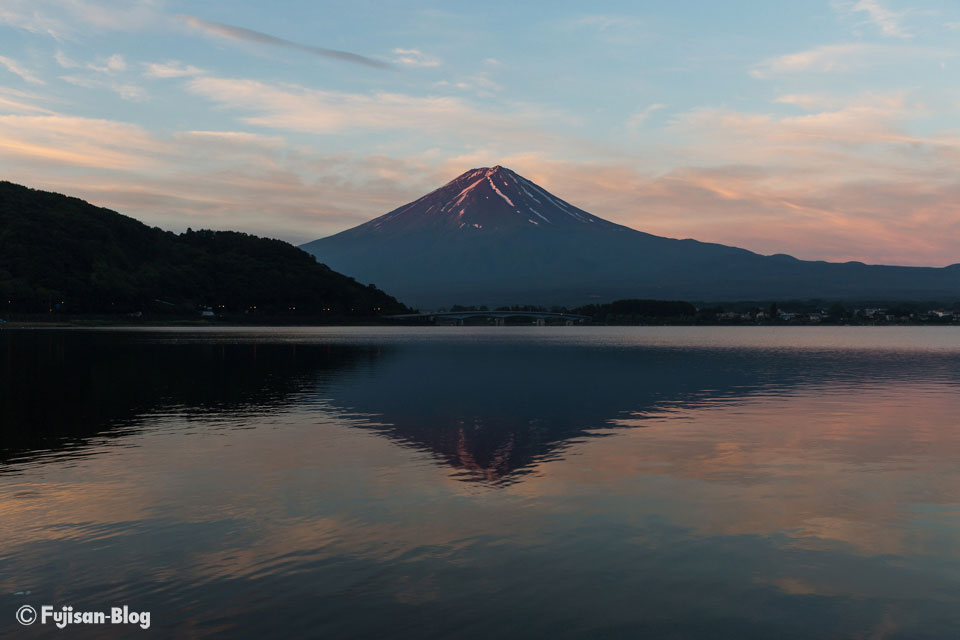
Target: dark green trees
{"points": [[64, 254]]}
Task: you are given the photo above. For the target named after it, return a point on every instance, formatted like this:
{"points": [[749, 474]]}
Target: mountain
{"points": [[63, 253], [493, 237]]}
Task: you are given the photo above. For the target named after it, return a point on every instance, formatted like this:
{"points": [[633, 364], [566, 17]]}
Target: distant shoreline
{"points": [[275, 323]]}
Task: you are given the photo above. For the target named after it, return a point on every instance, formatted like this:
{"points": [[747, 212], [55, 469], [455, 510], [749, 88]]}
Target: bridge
{"points": [[499, 317]]}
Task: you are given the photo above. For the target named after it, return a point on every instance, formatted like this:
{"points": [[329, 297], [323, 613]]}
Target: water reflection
{"points": [[379, 485], [494, 410], [491, 410], [59, 389]]}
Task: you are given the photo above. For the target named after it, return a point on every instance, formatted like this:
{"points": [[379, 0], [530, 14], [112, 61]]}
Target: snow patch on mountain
{"points": [[491, 199], [500, 193]]}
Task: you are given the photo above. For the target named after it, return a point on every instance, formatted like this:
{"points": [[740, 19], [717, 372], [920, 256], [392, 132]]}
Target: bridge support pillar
{"points": [[541, 322]]}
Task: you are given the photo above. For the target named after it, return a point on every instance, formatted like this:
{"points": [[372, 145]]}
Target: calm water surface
{"points": [[485, 482]]}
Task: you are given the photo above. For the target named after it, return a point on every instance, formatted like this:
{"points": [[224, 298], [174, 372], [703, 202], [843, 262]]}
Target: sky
{"points": [[825, 129]]}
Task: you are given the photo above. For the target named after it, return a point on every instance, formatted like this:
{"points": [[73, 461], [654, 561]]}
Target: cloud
{"points": [[295, 108], [124, 90], [16, 68], [414, 58], [832, 58], [11, 106], [857, 126], [64, 61], [214, 179], [846, 58], [808, 101], [636, 121], [249, 35], [170, 69], [479, 83], [893, 219], [889, 22], [74, 19], [239, 140], [105, 71], [14, 101], [846, 182], [238, 179], [78, 142], [112, 65]]}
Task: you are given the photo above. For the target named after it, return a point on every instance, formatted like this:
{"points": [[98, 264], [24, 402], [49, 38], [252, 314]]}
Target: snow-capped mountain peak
{"points": [[490, 236], [485, 199]]}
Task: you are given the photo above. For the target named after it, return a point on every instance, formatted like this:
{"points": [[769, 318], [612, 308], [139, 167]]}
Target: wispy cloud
{"points": [[846, 58], [889, 22], [170, 69], [72, 19], [295, 108], [112, 65], [856, 124], [808, 101], [78, 142], [14, 101], [637, 120], [479, 83], [10, 106], [830, 58], [414, 58], [249, 35], [844, 182], [125, 90], [65, 61], [212, 179], [233, 140], [16, 68], [101, 73]]}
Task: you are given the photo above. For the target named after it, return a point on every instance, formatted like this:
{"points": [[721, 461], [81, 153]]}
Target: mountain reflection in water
{"points": [[564, 482], [488, 410]]}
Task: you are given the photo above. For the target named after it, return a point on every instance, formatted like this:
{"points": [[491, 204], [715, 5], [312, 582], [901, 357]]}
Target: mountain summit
{"points": [[485, 199], [490, 236]]}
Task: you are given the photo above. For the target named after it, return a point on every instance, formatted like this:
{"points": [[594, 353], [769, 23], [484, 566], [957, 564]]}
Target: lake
{"points": [[477, 482]]}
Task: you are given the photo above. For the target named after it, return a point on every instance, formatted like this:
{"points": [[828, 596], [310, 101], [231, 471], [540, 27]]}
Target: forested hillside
{"points": [[65, 254]]}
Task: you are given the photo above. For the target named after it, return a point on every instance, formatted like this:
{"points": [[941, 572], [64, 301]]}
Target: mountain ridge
{"points": [[62, 253], [491, 236]]}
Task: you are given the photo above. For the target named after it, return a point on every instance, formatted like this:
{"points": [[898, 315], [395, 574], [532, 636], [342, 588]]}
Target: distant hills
{"points": [[492, 237], [62, 253]]}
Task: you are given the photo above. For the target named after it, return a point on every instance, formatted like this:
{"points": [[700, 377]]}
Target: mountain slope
{"points": [[56, 250], [492, 237]]}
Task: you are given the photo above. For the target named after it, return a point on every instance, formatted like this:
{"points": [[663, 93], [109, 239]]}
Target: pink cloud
{"points": [[844, 180]]}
